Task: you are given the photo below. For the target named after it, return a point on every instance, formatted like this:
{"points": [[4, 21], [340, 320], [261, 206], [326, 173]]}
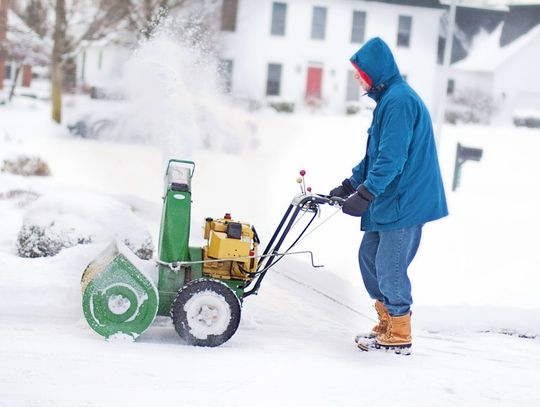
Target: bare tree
{"points": [[33, 16], [80, 21], [22, 46], [76, 22], [142, 15]]}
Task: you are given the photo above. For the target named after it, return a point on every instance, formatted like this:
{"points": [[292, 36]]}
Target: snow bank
{"points": [[472, 269]]}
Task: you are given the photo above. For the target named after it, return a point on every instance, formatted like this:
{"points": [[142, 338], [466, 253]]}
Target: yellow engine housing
{"points": [[234, 245]]}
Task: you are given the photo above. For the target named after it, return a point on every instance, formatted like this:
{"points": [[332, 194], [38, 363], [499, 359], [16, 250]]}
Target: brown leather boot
{"points": [[398, 334], [381, 326], [383, 315]]}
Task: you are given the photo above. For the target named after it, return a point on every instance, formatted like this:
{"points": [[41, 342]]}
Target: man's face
{"points": [[365, 86]]}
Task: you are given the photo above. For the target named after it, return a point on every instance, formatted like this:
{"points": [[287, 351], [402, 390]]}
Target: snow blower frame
{"points": [[201, 288]]}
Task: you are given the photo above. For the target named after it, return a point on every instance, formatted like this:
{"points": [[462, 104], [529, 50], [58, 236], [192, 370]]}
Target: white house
{"points": [[297, 51], [506, 76]]}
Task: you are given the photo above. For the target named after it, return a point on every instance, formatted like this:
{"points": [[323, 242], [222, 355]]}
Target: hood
{"points": [[376, 61]]}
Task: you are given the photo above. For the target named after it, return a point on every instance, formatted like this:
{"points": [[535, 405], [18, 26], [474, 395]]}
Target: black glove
{"points": [[357, 204], [344, 190]]}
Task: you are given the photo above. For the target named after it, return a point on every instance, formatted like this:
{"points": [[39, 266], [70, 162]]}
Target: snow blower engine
{"points": [[201, 288]]}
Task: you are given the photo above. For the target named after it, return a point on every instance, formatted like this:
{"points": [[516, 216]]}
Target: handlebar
{"points": [[303, 199]]}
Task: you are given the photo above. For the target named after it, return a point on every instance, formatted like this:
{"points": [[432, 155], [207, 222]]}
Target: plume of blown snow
{"points": [[172, 83]]}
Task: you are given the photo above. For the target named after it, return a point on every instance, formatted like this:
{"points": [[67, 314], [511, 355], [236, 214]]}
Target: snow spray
{"points": [[173, 85]]}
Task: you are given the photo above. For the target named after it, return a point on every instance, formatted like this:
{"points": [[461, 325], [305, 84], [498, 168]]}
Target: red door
{"points": [[313, 85]]}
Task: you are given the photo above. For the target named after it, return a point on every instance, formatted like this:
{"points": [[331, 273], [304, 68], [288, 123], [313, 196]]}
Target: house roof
{"points": [[417, 3], [486, 53]]}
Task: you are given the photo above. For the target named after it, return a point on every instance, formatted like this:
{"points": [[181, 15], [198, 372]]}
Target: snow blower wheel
{"points": [[206, 312]]}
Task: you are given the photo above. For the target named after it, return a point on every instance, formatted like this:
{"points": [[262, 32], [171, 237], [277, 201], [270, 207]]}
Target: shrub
{"points": [[26, 166], [527, 119], [352, 110], [282, 107], [470, 106], [21, 197], [38, 241], [143, 250]]}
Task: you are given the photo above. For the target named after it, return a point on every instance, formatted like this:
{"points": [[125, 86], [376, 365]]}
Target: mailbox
{"points": [[464, 154]]}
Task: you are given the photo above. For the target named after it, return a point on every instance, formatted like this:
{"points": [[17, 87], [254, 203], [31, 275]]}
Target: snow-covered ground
{"points": [[475, 278]]}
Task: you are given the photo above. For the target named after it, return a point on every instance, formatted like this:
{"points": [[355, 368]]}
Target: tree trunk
{"points": [[57, 60], [4, 5], [14, 82]]}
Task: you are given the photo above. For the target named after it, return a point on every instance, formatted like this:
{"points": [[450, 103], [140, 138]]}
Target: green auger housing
{"points": [[118, 299]]}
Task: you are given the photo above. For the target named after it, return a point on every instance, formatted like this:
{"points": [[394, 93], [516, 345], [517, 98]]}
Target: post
{"points": [[457, 169], [14, 80], [464, 154]]}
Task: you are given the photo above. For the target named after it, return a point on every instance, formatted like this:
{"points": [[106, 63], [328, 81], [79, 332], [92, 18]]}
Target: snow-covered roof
{"points": [[416, 3], [486, 53]]}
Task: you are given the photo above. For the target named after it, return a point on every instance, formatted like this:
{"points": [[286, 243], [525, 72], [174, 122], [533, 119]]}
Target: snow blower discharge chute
{"points": [[200, 288]]}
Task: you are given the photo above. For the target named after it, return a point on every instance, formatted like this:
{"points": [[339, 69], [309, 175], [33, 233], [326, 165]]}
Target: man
{"points": [[396, 189]]}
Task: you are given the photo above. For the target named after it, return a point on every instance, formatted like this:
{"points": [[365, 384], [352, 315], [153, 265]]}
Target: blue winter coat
{"points": [[400, 168]]}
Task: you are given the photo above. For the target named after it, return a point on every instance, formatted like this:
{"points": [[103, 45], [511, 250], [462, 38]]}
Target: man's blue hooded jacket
{"points": [[401, 168]]}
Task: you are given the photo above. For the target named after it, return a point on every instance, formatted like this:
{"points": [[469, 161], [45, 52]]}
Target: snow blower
{"points": [[200, 288]]}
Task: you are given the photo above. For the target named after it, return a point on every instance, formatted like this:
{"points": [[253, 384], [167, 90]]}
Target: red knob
{"points": [[308, 189], [302, 173]]}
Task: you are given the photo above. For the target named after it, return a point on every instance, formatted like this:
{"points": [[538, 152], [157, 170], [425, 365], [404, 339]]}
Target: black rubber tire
{"points": [[220, 304]]}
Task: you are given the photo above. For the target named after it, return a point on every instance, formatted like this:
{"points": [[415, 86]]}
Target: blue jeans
{"points": [[384, 258]]}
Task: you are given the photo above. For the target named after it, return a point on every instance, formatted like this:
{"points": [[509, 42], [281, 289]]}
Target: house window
{"points": [[318, 23], [404, 31], [225, 72], [229, 10], [358, 26], [353, 87], [279, 15], [273, 83], [7, 71], [450, 87]]}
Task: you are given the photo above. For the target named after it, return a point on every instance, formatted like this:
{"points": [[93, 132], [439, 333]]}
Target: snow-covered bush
{"points": [[470, 106], [21, 197], [25, 165], [282, 107], [352, 109], [56, 222], [42, 241], [527, 118], [144, 249]]}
